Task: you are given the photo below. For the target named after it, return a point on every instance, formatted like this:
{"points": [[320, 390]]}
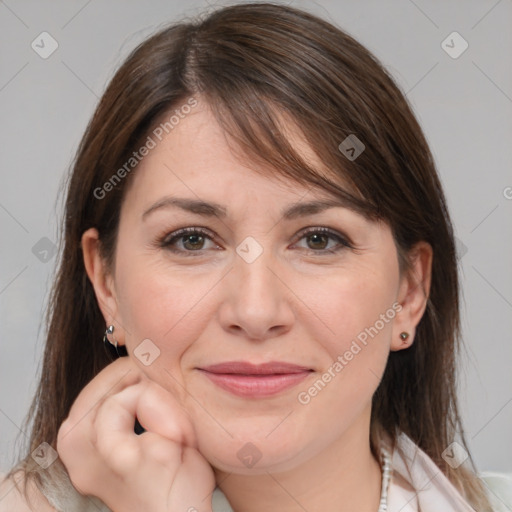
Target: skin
{"points": [[297, 302]]}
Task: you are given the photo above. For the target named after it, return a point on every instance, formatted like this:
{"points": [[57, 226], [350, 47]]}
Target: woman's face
{"points": [[252, 286]]}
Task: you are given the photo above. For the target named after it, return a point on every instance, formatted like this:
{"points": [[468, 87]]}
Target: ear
{"points": [[102, 280], [413, 294]]}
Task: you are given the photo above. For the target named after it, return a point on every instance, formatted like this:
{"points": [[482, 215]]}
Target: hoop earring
{"points": [[113, 348]]}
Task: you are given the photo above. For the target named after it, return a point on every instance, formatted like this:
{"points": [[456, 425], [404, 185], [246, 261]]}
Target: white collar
{"points": [[417, 480]]}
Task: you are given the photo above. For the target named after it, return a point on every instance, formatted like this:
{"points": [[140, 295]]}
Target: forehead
{"points": [[198, 159]]}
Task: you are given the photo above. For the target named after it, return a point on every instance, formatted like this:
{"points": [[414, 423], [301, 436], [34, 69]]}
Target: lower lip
{"points": [[256, 386]]}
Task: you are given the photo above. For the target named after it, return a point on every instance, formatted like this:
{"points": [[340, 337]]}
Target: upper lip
{"points": [[246, 368]]}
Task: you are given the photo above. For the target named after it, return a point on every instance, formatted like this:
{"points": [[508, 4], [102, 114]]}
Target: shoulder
{"points": [[499, 487], [48, 490], [12, 498]]}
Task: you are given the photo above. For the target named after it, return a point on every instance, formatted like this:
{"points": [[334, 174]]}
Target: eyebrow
{"points": [[212, 209]]}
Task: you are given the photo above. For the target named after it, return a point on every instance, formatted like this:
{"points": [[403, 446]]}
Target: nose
{"points": [[256, 301]]}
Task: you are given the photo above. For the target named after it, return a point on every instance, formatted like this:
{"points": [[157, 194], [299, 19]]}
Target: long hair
{"points": [[255, 63]]}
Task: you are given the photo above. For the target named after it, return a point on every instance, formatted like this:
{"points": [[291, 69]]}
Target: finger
{"points": [[168, 454], [116, 440], [116, 376], [158, 411], [195, 480], [114, 436]]}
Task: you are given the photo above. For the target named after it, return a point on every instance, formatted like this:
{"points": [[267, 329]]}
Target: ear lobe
{"points": [[413, 295], [101, 280]]}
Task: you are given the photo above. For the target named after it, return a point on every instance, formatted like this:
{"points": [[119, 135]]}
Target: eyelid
{"points": [[184, 231], [342, 239]]}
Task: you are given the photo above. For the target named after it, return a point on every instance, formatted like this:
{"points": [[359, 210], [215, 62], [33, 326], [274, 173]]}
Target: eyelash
{"points": [[169, 239]]}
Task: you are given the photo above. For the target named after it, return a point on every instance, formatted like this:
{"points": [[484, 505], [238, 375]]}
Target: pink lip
{"points": [[255, 381]]}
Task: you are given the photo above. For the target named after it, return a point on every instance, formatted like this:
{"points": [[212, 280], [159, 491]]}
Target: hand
{"points": [[160, 470]]}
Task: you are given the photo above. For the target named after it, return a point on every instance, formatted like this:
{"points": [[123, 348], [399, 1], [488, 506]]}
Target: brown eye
{"points": [[186, 241], [323, 241], [318, 241], [193, 242]]}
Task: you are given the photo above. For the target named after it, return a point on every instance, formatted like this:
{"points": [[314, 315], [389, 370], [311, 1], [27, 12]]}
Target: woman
{"points": [[254, 224]]}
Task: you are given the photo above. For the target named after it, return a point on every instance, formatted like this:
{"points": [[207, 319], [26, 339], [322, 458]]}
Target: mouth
{"points": [[255, 381]]}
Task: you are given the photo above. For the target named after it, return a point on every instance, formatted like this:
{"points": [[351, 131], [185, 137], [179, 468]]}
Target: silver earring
{"points": [[112, 347]]}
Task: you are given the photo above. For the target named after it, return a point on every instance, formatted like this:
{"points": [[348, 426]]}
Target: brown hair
{"points": [[254, 63]]}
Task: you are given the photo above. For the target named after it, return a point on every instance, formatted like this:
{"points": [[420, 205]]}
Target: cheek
{"points": [[359, 312], [167, 307], [357, 306], [359, 309]]}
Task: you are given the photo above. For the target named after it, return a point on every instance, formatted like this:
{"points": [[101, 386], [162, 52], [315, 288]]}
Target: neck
{"points": [[342, 478]]}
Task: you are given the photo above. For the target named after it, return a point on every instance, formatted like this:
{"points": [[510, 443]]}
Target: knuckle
{"points": [[123, 460], [160, 450]]}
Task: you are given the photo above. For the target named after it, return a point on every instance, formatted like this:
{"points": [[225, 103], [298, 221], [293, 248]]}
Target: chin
{"points": [[257, 455]]}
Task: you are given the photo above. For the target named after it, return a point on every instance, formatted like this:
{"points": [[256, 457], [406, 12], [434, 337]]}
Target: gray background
{"points": [[463, 104]]}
